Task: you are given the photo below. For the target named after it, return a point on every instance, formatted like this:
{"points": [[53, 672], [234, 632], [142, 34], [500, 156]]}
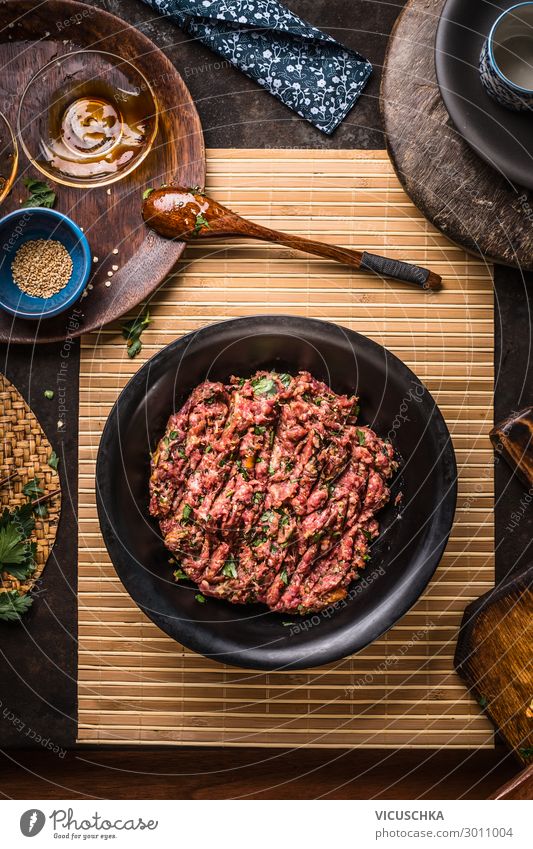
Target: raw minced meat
{"points": [[266, 490]]}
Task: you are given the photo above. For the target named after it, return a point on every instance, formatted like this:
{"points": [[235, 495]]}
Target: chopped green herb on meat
{"points": [[265, 386], [230, 568]]}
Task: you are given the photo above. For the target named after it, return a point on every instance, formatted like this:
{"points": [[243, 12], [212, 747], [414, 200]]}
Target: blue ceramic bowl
{"points": [[26, 225]]}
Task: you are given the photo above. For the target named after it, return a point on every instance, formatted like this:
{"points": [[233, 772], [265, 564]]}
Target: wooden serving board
{"points": [[494, 657], [463, 196], [513, 439], [31, 34], [136, 685]]}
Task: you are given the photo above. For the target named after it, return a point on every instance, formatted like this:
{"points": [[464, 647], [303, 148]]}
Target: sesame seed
{"points": [[95, 259], [42, 267], [115, 250], [114, 267], [108, 283], [110, 274]]}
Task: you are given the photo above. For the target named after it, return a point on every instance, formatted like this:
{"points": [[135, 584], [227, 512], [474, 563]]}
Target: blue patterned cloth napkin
{"points": [[305, 68]]}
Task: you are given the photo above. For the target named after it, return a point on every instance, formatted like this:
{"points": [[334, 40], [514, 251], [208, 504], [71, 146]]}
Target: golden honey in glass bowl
{"points": [[88, 118]]}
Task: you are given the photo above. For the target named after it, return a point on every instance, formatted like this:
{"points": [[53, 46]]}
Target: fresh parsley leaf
{"points": [[258, 497], [201, 221], [259, 429], [48, 393], [53, 461], [22, 517], [286, 380], [230, 568], [268, 516], [199, 598], [40, 193], [187, 510], [134, 348], [284, 577], [131, 332], [361, 437], [12, 546], [32, 489], [13, 605], [173, 434], [180, 575], [17, 552], [147, 192]]}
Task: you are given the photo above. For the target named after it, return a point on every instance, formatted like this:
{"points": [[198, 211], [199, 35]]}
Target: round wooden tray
{"points": [[456, 190], [31, 34], [25, 449]]}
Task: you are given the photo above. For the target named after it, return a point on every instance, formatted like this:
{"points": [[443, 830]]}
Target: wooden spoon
{"points": [[187, 214]]}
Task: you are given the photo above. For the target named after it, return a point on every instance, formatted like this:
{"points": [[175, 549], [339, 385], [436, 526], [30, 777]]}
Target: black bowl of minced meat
{"points": [[275, 492]]}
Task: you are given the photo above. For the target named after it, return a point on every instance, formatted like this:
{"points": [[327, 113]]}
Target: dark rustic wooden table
{"points": [[40, 682]]}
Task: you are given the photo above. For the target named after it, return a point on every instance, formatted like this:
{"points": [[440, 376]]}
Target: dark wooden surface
{"points": [[38, 659], [254, 774], [462, 195], [494, 657], [110, 216], [236, 112]]}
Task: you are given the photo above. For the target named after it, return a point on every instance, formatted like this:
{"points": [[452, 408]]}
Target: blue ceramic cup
{"points": [[33, 223], [506, 62]]}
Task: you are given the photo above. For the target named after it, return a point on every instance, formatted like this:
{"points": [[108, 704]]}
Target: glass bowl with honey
{"points": [[88, 118], [8, 157]]}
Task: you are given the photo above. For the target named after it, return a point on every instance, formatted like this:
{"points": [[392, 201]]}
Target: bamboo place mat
{"points": [[136, 685]]}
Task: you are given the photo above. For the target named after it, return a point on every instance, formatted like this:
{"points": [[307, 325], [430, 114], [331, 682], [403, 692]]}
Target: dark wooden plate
{"points": [[31, 34], [501, 137], [413, 535], [461, 194]]}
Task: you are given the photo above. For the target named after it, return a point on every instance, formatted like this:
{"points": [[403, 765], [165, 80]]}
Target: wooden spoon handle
{"points": [[404, 271]]}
